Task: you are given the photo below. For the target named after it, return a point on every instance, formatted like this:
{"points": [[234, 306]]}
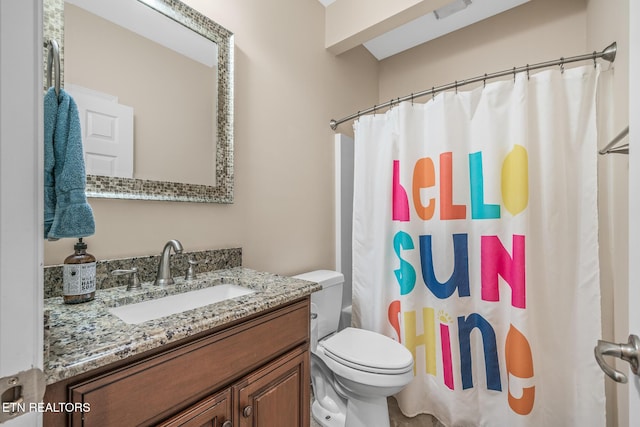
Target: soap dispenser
{"points": [[79, 275]]}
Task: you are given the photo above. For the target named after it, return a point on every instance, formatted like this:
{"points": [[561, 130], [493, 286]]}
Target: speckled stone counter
{"points": [[86, 336]]}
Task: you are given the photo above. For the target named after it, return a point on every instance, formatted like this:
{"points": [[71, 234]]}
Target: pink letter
{"points": [[447, 366], [399, 196], [495, 260]]}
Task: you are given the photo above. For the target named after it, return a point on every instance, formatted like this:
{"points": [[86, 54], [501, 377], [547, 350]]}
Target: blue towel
{"points": [[72, 215], [50, 117]]}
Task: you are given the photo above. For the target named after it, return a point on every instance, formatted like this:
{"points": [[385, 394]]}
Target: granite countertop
{"points": [[82, 337]]}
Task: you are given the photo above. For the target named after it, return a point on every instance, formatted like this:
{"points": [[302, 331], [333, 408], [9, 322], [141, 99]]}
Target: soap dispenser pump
{"points": [[79, 275]]}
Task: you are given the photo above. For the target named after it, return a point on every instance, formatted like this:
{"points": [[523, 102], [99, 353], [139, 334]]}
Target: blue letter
{"points": [[478, 209], [492, 368], [460, 276], [406, 275]]}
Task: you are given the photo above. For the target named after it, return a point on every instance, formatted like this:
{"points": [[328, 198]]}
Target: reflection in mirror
{"points": [[153, 82], [147, 110]]}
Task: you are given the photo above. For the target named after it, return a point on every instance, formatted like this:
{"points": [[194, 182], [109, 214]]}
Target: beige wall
{"points": [[287, 87], [608, 21], [534, 32]]}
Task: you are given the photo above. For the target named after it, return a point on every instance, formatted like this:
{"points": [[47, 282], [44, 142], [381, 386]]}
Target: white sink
{"points": [[173, 304]]}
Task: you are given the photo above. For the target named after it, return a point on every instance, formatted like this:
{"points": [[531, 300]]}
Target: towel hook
{"points": [[53, 61]]}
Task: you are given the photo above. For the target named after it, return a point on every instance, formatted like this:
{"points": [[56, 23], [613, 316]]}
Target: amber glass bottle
{"points": [[79, 275]]}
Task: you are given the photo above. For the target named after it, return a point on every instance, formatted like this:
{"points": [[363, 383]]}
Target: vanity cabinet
{"points": [[252, 373]]}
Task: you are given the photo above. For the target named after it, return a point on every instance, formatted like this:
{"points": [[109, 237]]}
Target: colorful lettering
{"points": [[428, 338], [424, 176], [492, 368], [445, 344], [405, 275], [519, 365], [515, 180], [479, 210], [494, 261], [447, 209], [459, 278], [400, 204]]}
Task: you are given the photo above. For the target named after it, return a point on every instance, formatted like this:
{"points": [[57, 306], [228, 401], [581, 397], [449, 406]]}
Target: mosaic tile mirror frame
{"points": [[142, 189]]}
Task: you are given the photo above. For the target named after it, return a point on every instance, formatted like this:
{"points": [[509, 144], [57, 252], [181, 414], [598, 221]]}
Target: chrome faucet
{"points": [[164, 268]]}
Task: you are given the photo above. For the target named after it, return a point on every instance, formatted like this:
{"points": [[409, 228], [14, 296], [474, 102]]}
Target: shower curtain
{"points": [[475, 246]]}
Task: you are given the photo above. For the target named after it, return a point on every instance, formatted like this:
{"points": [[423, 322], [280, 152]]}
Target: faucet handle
{"points": [[134, 282], [191, 271]]}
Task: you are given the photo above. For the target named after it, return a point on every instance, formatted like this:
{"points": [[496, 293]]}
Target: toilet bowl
{"points": [[353, 371]]}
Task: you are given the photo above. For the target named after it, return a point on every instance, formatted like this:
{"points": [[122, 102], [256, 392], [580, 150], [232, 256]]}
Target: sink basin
{"points": [[173, 304]]}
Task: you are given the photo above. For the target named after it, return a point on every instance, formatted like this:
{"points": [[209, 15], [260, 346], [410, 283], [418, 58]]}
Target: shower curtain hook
{"points": [[433, 93], [562, 65], [484, 81], [456, 87], [528, 76], [412, 99], [595, 55], [514, 74], [374, 110]]}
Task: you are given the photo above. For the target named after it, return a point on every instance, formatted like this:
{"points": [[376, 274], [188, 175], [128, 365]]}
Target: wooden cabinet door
{"points": [[214, 411], [276, 395]]}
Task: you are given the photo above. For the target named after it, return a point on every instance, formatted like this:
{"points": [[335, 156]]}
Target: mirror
{"points": [[180, 145]]}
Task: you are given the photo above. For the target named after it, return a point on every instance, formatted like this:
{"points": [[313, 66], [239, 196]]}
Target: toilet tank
{"points": [[327, 302]]}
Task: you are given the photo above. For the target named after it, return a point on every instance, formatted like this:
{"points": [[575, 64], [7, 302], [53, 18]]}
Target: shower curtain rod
{"points": [[608, 54]]}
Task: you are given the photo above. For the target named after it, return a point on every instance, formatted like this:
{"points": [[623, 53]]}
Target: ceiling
{"points": [[428, 27]]}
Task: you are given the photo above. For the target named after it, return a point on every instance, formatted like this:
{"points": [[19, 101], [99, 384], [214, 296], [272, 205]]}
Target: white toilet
{"points": [[353, 370]]}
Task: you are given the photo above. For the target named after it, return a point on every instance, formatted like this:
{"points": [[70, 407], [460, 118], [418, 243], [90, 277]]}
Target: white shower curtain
{"points": [[475, 246]]}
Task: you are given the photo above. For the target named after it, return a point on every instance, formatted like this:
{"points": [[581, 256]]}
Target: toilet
{"points": [[353, 371]]}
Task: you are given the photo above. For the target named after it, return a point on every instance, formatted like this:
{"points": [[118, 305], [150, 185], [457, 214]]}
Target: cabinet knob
{"points": [[227, 424], [247, 411]]}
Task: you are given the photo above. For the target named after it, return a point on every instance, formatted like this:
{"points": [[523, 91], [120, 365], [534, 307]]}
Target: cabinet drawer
{"points": [[169, 382], [213, 411]]}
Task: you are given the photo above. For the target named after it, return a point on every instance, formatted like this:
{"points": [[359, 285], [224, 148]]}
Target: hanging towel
{"points": [[72, 216], [50, 117]]}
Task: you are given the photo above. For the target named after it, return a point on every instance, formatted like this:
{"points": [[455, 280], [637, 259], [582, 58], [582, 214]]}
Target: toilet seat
{"points": [[368, 351]]}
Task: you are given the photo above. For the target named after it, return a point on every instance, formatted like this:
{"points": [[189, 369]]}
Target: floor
{"points": [[397, 419]]}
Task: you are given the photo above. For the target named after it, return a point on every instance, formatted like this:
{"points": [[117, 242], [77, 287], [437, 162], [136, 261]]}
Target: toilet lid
{"points": [[368, 351]]}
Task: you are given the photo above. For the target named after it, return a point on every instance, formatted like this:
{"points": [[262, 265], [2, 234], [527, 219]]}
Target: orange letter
{"points": [[447, 209], [520, 366], [424, 176]]}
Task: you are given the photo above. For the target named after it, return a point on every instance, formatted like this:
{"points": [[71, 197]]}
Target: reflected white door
{"points": [[107, 133]]}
